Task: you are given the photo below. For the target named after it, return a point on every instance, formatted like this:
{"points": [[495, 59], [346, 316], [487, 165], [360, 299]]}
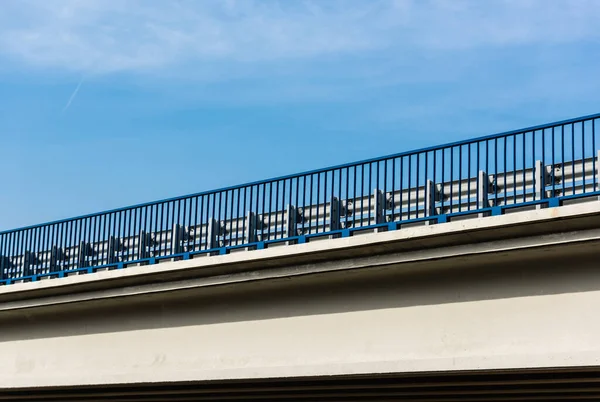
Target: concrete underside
{"points": [[516, 291], [497, 386]]}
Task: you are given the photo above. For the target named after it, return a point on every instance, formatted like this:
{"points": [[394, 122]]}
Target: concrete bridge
{"points": [[487, 300]]}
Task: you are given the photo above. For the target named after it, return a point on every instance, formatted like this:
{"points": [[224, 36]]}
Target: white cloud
{"points": [[100, 36]]}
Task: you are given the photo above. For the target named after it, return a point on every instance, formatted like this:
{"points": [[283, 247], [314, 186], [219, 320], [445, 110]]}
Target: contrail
{"points": [[73, 95]]}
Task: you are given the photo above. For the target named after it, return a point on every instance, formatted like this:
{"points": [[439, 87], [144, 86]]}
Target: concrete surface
{"points": [[515, 291]]}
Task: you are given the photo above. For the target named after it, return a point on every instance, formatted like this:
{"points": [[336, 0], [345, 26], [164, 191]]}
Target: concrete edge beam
{"points": [[223, 269], [400, 260]]}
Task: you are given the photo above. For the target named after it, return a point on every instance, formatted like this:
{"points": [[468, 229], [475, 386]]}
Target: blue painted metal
{"points": [[382, 193], [553, 202], [496, 211]]}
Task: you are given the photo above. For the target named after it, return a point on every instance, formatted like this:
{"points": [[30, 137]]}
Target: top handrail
{"points": [[315, 171]]}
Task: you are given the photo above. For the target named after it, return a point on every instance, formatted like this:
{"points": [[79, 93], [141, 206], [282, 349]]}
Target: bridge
{"points": [[464, 271]]}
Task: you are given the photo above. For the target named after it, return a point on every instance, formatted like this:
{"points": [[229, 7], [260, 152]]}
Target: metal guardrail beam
{"points": [[538, 165]]}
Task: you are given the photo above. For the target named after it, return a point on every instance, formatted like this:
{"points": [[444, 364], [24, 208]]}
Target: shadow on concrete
{"points": [[567, 269]]}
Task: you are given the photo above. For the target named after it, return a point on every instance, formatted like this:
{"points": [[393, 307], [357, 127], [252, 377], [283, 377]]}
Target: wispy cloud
{"points": [[73, 95], [103, 36]]}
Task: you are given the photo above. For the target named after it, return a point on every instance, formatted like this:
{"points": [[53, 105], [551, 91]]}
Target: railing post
{"points": [[26, 263], [8, 267], [378, 206], [142, 244], [290, 221], [4, 267], [112, 248], [539, 176], [334, 214], [250, 232], [482, 190], [597, 172], [345, 209], [54, 256], [81, 263], [176, 235], [429, 203], [213, 233]]}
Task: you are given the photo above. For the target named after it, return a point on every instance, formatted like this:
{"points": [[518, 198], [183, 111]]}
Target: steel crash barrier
{"points": [[537, 167]]}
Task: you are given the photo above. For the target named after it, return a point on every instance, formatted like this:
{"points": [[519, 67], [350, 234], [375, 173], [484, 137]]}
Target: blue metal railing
{"points": [[537, 165]]}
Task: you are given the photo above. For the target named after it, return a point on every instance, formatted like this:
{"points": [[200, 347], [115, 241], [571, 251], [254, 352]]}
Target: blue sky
{"points": [[106, 103]]}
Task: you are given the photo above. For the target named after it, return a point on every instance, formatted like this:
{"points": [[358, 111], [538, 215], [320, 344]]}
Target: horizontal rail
{"points": [[511, 169]]}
